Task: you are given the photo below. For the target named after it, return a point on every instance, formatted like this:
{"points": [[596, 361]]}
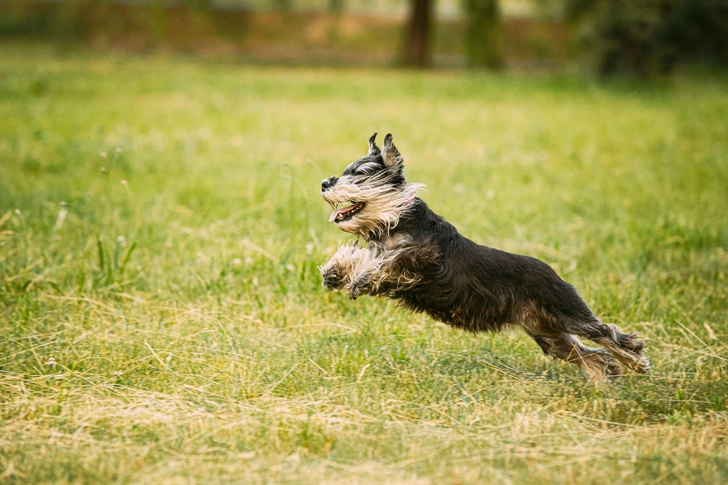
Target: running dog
{"points": [[416, 257]]}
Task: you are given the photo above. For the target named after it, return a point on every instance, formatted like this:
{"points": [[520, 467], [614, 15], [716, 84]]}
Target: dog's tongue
{"points": [[344, 210]]}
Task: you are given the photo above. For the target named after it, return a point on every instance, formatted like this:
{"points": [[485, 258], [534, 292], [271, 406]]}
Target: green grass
{"points": [[162, 318]]}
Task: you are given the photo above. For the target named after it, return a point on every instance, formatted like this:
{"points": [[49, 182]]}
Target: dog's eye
{"points": [[365, 169]]}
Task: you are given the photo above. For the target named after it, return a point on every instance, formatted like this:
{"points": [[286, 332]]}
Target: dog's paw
{"points": [[332, 279], [333, 282], [359, 287]]}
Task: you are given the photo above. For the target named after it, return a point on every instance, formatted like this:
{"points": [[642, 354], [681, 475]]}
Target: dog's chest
{"points": [[397, 241]]}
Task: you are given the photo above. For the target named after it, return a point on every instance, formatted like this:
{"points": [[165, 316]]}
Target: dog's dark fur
{"points": [[418, 258]]}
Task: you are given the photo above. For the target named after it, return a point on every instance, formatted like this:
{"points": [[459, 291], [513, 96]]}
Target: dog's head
{"points": [[372, 190]]}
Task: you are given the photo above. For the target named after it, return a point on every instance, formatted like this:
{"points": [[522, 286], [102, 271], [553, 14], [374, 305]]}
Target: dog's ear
{"points": [[373, 148], [391, 156]]}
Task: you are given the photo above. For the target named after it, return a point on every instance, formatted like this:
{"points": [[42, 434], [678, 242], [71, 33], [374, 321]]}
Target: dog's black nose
{"points": [[326, 183]]}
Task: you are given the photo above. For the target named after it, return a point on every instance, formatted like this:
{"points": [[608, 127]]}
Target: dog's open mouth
{"points": [[345, 213]]}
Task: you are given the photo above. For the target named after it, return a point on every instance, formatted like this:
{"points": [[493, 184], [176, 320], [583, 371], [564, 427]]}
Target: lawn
{"points": [[162, 318]]}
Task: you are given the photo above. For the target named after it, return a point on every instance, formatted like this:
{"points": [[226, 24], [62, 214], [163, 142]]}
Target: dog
{"points": [[414, 256]]}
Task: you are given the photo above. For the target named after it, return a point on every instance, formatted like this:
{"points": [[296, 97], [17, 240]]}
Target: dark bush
{"points": [[651, 36]]}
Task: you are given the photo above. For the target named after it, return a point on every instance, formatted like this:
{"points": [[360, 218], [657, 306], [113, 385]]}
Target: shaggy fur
{"points": [[415, 256]]}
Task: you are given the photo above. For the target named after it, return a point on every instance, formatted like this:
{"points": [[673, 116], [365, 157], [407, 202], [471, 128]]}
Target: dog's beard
{"points": [[371, 204]]}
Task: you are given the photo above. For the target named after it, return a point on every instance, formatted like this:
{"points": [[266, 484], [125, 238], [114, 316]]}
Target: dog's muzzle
{"points": [[327, 183]]}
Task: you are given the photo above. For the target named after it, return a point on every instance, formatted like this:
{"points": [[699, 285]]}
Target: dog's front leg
{"points": [[392, 271], [337, 273], [366, 280], [380, 276]]}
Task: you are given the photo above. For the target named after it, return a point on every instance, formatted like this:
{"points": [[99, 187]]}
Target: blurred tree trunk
{"points": [[417, 46], [483, 34], [158, 21], [200, 5], [283, 5], [336, 6]]}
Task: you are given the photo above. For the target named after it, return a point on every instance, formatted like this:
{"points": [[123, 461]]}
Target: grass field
{"points": [[162, 318]]}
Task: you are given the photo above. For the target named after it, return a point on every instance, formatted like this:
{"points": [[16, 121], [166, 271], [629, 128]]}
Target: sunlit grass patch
{"points": [[162, 314]]}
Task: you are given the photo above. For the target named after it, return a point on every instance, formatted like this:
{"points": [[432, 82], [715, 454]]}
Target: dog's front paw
{"points": [[332, 279], [359, 287]]}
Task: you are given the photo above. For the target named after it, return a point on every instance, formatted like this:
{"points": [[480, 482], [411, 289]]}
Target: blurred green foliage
{"points": [[651, 36]]}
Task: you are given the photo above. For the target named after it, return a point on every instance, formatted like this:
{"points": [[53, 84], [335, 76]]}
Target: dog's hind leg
{"points": [[597, 363], [625, 347]]}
